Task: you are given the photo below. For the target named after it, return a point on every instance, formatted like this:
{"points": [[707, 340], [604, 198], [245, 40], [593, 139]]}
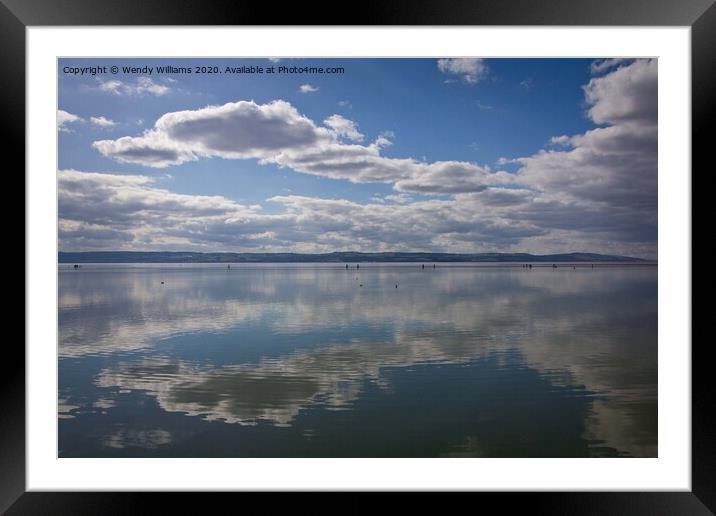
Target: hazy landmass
{"points": [[340, 257]]}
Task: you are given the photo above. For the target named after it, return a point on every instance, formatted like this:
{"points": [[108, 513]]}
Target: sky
{"points": [[461, 155]]}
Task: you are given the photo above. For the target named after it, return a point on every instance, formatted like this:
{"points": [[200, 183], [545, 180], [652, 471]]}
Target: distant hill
{"points": [[340, 257]]}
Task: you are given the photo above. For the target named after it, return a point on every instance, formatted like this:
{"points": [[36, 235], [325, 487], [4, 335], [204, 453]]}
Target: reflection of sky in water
{"points": [[304, 361]]}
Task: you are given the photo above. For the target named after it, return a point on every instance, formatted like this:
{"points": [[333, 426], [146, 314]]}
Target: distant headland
{"points": [[336, 257]]}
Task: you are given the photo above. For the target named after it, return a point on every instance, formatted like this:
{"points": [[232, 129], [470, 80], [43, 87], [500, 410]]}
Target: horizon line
{"points": [[328, 253]]}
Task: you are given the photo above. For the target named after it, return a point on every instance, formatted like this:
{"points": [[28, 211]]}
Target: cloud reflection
{"points": [[595, 329]]}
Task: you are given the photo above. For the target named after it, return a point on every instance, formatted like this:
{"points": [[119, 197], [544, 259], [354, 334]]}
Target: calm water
{"points": [[301, 360]]}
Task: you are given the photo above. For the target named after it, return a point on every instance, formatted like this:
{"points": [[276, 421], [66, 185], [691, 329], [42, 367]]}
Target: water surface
{"points": [[389, 360]]}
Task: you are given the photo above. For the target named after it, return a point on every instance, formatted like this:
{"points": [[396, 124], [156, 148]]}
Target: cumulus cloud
{"points": [[65, 118], [451, 177], [110, 211], [307, 88], [102, 121], [605, 180], [602, 65], [344, 127], [595, 190], [237, 130], [614, 165], [276, 133], [141, 86], [470, 70], [629, 94], [399, 198], [561, 140], [98, 208]]}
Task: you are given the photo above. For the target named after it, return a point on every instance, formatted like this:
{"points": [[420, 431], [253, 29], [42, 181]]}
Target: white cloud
{"points": [[99, 209], [142, 86], [277, 133], [629, 94], [110, 211], [111, 86], [344, 127], [307, 88], [562, 140], [238, 130], [602, 65], [399, 198], [609, 172], [471, 70], [451, 177], [64, 118], [594, 191], [102, 121]]}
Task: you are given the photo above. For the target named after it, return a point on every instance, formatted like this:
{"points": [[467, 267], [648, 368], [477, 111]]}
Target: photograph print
{"points": [[360, 257]]}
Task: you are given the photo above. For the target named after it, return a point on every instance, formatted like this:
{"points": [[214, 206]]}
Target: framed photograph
{"points": [[426, 249]]}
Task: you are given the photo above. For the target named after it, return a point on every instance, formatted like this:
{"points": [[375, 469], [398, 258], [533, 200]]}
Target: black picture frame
{"points": [[700, 15]]}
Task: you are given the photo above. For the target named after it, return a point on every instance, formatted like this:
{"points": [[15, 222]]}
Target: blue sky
{"points": [[463, 155]]}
